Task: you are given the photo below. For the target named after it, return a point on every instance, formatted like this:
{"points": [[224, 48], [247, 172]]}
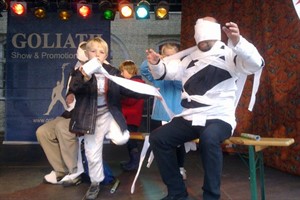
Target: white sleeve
{"points": [[167, 70], [171, 67], [158, 70], [248, 59]]}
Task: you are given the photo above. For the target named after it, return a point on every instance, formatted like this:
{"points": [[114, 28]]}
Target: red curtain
{"points": [[274, 28]]}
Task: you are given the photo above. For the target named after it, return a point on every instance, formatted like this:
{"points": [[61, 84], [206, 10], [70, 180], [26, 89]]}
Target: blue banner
{"points": [[40, 55]]}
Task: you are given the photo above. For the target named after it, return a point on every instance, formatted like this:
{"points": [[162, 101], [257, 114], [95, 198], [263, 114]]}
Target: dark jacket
{"points": [[84, 114]]}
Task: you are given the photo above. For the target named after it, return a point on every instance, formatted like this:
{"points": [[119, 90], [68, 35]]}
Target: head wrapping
{"points": [[80, 53], [207, 30]]}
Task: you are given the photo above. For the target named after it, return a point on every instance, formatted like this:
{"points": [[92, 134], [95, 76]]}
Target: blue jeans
{"points": [[165, 139]]}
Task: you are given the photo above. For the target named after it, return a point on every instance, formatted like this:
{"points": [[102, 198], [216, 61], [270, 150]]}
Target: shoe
{"points": [[183, 196], [133, 163], [52, 178], [122, 163], [183, 173], [131, 166], [93, 191], [72, 182]]}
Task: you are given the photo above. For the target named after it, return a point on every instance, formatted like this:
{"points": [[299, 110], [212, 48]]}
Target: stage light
{"points": [[18, 8], [108, 12], [126, 10], [142, 10], [162, 10], [84, 9], [40, 8], [64, 10], [64, 15], [40, 12]]}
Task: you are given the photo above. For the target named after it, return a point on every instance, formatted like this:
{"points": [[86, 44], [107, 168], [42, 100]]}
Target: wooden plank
{"points": [[263, 142], [138, 135]]}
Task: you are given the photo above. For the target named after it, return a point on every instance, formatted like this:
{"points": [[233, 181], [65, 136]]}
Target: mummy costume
{"points": [[210, 92]]}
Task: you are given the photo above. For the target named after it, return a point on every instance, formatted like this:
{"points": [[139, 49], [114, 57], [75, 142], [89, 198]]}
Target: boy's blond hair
{"points": [[130, 66], [169, 46], [99, 40]]}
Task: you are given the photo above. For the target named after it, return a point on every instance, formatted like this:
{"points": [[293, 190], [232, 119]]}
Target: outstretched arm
{"points": [[232, 31], [152, 57], [248, 58]]}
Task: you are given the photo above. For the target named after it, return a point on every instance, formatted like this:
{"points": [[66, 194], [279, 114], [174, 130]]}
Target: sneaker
{"points": [[71, 182], [183, 196], [93, 191], [52, 178], [183, 173]]}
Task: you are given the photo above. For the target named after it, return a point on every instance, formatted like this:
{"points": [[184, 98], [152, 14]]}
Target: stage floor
{"points": [[22, 168]]}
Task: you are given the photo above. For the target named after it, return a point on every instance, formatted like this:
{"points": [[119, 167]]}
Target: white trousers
{"points": [[105, 126]]}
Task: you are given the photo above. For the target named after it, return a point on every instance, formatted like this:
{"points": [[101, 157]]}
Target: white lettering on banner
{"points": [[41, 40], [42, 55], [45, 55], [17, 55], [41, 120]]}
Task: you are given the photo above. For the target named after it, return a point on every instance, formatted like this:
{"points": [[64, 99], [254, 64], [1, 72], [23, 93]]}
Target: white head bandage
{"points": [[81, 54], [207, 30]]}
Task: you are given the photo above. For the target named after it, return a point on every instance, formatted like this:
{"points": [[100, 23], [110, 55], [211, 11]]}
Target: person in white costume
{"points": [[209, 73]]}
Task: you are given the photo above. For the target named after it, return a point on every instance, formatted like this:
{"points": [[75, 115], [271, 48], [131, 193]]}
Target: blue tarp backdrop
{"points": [[40, 54]]}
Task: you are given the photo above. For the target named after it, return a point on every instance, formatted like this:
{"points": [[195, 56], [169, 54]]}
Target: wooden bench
{"points": [[255, 155]]}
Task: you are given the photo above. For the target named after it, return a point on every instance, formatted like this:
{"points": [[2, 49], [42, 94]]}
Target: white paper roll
{"points": [[250, 136], [92, 66]]}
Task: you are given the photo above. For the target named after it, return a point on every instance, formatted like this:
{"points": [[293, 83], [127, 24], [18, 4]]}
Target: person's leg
{"points": [[94, 146], [163, 142], [133, 152], [93, 150], [76, 178], [180, 152], [214, 133], [68, 144], [47, 138], [132, 144]]}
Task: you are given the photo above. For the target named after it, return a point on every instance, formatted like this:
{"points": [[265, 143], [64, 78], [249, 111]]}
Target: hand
{"points": [[70, 98], [232, 31], [85, 76], [159, 97], [152, 56], [64, 66]]}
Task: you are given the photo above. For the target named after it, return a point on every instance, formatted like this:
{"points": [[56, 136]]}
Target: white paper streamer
{"points": [[297, 7], [142, 157], [94, 66]]}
